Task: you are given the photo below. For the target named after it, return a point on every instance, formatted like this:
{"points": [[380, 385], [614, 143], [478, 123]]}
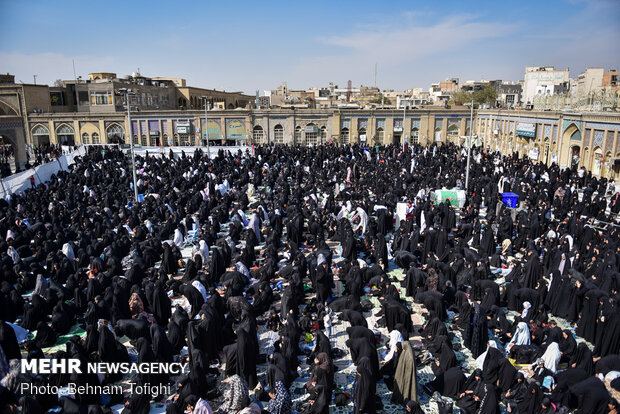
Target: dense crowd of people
{"points": [[244, 265]]}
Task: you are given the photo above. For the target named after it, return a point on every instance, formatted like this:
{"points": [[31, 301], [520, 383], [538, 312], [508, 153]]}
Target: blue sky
{"points": [[255, 45]]}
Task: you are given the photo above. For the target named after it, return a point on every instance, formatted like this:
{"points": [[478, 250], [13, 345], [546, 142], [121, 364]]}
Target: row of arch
{"points": [[65, 135], [320, 136]]}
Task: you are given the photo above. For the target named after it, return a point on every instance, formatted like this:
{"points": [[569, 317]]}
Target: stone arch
{"points": [[65, 134], [258, 134], [278, 134], [344, 136], [7, 109], [453, 133], [312, 136], [597, 161], [40, 135], [570, 136], [115, 133]]}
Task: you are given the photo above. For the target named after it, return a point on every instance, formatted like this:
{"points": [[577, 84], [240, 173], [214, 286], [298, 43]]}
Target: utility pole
{"points": [[35, 79], [471, 130], [206, 99], [133, 157]]}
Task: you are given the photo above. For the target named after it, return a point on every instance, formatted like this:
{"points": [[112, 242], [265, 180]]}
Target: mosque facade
{"points": [[591, 140]]}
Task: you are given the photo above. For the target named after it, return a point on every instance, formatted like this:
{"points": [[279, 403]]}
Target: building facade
{"points": [[590, 140]]}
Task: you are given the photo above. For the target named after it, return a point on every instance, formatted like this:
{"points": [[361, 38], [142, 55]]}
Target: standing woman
{"points": [[364, 389]]}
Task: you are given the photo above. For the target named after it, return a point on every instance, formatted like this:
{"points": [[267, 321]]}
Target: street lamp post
{"points": [[206, 99], [128, 92], [471, 129]]}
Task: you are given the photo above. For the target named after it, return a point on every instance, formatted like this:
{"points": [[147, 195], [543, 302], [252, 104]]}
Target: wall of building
{"points": [[544, 136]]}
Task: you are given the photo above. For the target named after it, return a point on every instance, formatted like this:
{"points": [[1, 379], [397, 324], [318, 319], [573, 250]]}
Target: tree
{"points": [[58, 83], [380, 100], [488, 95]]}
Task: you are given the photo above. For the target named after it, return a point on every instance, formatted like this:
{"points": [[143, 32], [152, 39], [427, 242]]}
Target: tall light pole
{"points": [[128, 92], [403, 133], [471, 130], [206, 99]]}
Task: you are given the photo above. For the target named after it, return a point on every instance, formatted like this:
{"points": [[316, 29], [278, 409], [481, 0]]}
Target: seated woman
{"points": [[473, 392]]}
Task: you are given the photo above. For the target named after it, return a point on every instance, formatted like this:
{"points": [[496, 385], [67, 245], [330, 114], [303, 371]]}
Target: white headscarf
{"points": [[13, 254], [482, 357], [198, 285], [395, 339], [522, 335], [526, 307], [551, 357], [178, 238], [203, 251], [67, 250]]}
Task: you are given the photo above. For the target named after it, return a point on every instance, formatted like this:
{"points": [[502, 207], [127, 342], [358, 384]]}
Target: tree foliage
{"points": [[488, 95]]}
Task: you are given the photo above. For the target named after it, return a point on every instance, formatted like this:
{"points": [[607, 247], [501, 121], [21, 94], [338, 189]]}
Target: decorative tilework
{"points": [[381, 123], [362, 123], [567, 122], [415, 123], [547, 131], [609, 142], [604, 125], [599, 137], [346, 123]]}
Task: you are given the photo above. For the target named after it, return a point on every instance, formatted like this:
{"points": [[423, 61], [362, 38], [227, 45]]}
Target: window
{"points": [[415, 136], [143, 140], [379, 136], [135, 139], [323, 134], [344, 136], [95, 137], [278, 134], [101, 98], [297, 135], [453, 133], [83, 98], [257, 134], [85, 139], [153, 139], [115, 132], [311, 134]]}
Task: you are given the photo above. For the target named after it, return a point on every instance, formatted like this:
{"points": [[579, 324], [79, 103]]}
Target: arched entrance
{"points": [[575, 156], [597, 162], [344, 136], [65, 135], [312, 133], [278, 134], [415, 136], [361, 133], [297, 138], [571, 138], [453, 134], [257, 134], [40, 136], [115, 134]]}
